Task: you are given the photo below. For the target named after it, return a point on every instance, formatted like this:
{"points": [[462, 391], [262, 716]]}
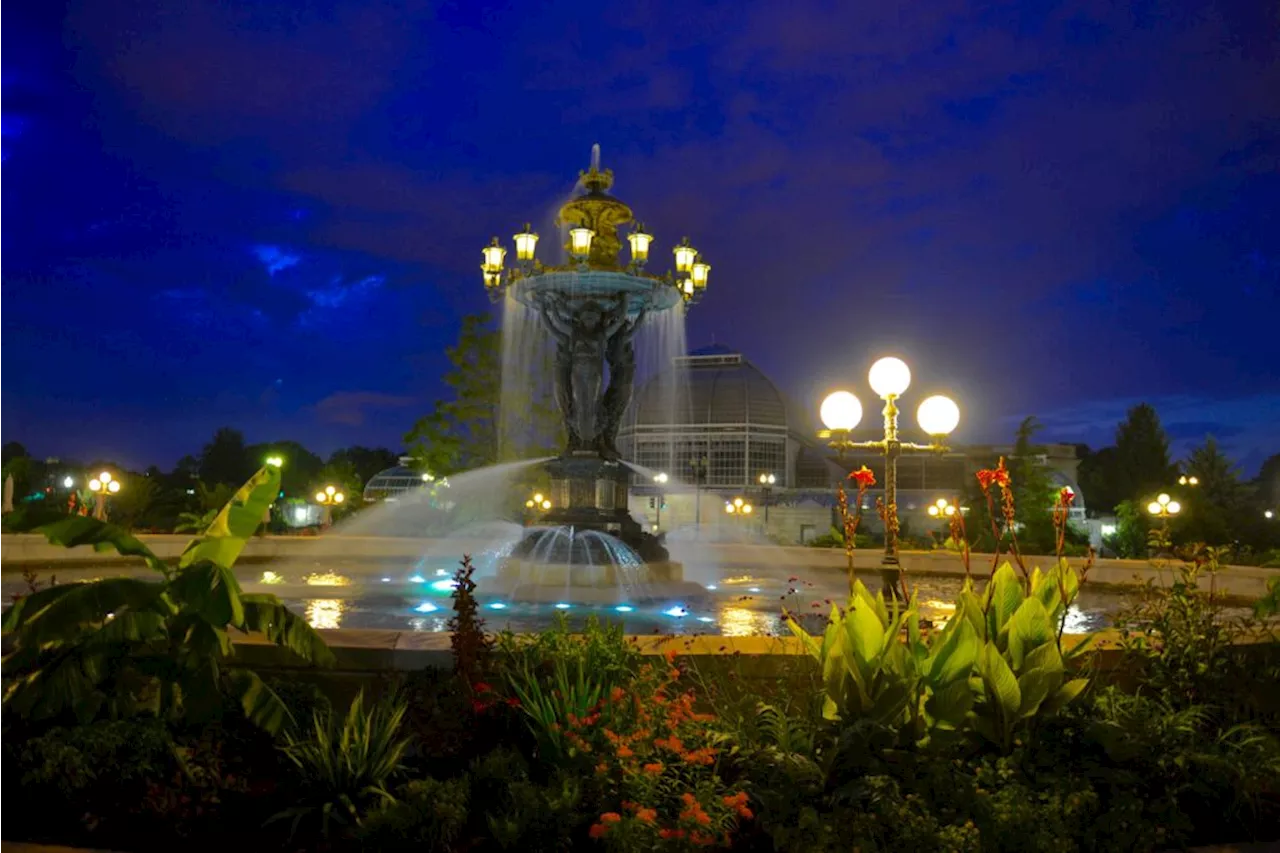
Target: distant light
{"points": [[299, 513], [705, 619], [712, 587], [442, 586], [676, 611], [275, 461], [191, 491], [1108, 529], [1268, 514], [271, 577], [497, 605], [386, 580], [68, 482], [562, 606], [624, 608], [426, 607], [753, 589], [417, 579], [441, 572]]}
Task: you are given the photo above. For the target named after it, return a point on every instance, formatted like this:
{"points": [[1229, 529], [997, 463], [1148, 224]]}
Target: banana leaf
{"points": [[71, 531], [224, 539], [264, 613]]}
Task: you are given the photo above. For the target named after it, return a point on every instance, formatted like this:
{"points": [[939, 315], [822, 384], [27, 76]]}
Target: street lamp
{"points": [[941, 509], [767, 481], [538, 503], [329, 497], [739, 507], [661, 479], [938, 417], [698, 466], [102, 486], [1163, 507], [1184, 480], [274, 461]]}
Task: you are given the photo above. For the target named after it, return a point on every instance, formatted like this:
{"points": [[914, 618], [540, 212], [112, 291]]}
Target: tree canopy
{"points": [[464, 432], [1141, 462]]}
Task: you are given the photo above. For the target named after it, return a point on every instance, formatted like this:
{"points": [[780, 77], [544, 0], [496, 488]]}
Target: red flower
{"points": [[1067, 495], [513, 702], [481, 687], [864, 477], [997, 476], [598, 830]]}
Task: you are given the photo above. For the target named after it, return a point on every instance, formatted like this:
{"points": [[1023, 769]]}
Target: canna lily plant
{"points": [[995, 665], [120, 646]]}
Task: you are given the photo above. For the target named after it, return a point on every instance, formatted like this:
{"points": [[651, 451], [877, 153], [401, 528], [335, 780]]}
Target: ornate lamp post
{"points": [[101, 486], [938, 417], [739, 507], [661, 480], [329, 497], [539, 503], [941, 509], [1164, 508], [766, 488]]}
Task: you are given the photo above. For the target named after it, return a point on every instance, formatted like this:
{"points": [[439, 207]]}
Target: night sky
{"points": [[270, 215]]}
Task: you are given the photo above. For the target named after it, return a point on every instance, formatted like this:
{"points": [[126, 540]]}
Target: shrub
{"points": [[428, 815], [345, 766]]}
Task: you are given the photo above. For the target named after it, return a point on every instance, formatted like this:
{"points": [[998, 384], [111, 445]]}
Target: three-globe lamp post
{"points": [[841, 412], [738, 507], [539, 503], [103, 485], [329, 497]]}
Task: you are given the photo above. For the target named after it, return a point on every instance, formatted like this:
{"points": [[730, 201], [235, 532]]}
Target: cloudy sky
{"points": [[269, 214]]}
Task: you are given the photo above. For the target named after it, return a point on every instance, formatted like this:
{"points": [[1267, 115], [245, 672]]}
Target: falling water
{"points": [[526, 408]]}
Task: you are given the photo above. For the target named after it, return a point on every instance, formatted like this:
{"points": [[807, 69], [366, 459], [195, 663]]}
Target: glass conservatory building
{"points": [[390, 483]]}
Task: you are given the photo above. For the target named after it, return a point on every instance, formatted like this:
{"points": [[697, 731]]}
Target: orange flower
{"points": [[689, 799], [671, 833], [617, 694], [602, 768], [701, 817], [646, 815], [625, 752], [701, 839], [610, 817], [598, 830], [654, 768], [745, 813], [670, 655], [737, 800]]}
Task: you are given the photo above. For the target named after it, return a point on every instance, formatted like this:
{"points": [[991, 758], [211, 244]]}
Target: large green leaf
{"points": [[224, 539], [1005, 597], [970, 608], [260, 703], [72, 531], [949, 705], [1064, 695], [265, 614], [999, 681], [955, 657], [210, 590], [1028, 628], [64, 612]]}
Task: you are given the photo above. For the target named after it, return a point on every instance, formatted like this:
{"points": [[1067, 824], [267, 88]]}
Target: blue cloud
{"points": [[275, 258]]}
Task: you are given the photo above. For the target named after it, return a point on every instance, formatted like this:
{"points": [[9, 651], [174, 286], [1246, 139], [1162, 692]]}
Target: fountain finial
{"points": [[595, 179]]}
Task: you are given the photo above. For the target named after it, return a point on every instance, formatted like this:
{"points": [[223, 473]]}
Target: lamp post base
{"points": [[891, 578]]}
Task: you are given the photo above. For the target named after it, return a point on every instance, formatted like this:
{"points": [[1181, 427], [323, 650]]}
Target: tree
{"points": [[1142, 465], [464, 432], [10, 451], [367, 461], [1218, 509], [225, 459], [1098, 480], [301, 467], [129, 507], [1266, 486], [1033, 489]]}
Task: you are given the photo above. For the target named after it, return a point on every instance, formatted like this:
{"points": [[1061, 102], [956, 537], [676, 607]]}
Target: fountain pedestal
{"points": [[590, 493]]}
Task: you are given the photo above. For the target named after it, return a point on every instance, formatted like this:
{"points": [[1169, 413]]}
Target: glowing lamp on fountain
{"points": [[580, 242], [639, 240], [685, 257], [526, 242]]}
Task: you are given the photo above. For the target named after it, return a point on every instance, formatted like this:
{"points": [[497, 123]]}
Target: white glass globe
{"points": [[841, 410], [1153, 508], [938, 415], [889, 377], [1175, 507]]}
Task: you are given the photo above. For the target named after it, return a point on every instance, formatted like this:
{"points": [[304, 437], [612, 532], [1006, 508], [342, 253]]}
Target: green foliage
{"points": [[467, 638], [603, 648], [1218, 510], [1033, 491], [345, 765], [129, 507], [1180, 646], [464, 432], [427, 815], [225, 459], [1142, 455], [1133, 526], [121, 646]]}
